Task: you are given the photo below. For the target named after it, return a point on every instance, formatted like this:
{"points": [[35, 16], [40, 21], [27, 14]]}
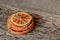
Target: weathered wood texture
{"points": [[47, 25]]}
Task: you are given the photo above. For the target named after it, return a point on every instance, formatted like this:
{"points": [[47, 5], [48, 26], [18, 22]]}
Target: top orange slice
{"points": [[21, 18]]}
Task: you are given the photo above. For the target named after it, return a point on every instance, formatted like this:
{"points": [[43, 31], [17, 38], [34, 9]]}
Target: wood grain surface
{"points": [[47, 25]]}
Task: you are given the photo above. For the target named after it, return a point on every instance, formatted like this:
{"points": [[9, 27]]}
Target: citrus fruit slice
{"points": [[21, 19], [20, 23]]}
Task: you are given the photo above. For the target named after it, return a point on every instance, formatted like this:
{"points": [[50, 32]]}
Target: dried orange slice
{"points": [[21, 18], [20, 23]]}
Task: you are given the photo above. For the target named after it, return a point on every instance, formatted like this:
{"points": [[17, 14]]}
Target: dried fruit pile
{"points": [[20, 23]]}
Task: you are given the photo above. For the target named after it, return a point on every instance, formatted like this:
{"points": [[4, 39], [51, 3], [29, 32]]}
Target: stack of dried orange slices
{"points": [[20, 23]]}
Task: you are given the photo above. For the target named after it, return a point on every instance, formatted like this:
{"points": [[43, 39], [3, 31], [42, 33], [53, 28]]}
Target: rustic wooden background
{"points": [[45, 13]]}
